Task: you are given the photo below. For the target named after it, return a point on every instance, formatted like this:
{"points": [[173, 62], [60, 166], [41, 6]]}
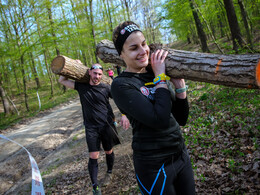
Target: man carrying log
{"points": [[98, 120]]}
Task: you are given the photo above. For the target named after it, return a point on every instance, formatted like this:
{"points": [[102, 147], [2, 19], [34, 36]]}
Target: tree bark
{"points": [[242, 71], [70, 68]]}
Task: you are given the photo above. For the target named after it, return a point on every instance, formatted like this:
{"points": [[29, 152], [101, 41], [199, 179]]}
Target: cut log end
{"points": [[57, 64], [258, 73]]}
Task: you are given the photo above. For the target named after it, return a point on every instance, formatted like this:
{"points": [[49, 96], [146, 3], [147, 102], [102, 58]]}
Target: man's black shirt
{"points": [[95, 104]]}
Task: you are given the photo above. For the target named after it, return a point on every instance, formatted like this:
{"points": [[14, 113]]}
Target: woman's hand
{"points": [[157, 61], [179, 83]]}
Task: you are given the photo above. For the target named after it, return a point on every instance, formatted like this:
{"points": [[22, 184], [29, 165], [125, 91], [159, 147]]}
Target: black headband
{"points": [[123, 35]]}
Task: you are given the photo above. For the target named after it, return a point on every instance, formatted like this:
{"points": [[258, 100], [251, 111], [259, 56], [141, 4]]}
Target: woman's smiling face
{"points": [[135, 52]]}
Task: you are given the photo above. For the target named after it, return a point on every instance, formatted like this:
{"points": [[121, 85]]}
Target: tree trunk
{"points": [[127, 9], [210, 30], [244, 16], [242, 71], [34, 71], [6, 105], [233, 24], [8, 36], [220, 26], [199, 26], [54, 36], [24, 84], [52, 30], [110, 17], [44, 50], [92, 28], [45, 54], [70, 68], [22, 65]]}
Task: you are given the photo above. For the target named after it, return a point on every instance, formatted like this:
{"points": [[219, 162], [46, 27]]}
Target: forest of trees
{"points": [[34, 32]]}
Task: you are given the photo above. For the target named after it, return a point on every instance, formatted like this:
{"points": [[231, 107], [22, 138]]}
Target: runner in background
{"points": [[110, 73], [118, 69]]}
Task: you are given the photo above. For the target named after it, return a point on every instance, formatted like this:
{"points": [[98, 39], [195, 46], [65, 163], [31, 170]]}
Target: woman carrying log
{"points": [[161, 161]]}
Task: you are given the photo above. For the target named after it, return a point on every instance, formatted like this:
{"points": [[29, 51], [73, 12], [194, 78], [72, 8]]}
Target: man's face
{"points": [[95, 76]]}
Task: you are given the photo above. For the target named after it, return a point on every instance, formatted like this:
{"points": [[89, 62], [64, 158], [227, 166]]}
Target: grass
{"points": [[223, 124]]}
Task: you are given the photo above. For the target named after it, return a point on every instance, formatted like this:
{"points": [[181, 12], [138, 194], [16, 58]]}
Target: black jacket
{"points": [[154, 115]]}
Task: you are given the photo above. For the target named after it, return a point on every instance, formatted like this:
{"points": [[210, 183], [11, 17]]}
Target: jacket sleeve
{"points": [[180, 110], [132, 102]]}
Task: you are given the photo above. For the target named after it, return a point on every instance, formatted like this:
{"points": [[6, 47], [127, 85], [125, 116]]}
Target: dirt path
{"points": [[57, 142], [38, 129]]}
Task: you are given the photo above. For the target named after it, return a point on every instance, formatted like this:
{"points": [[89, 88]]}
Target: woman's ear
{"points": [[121, 56]]}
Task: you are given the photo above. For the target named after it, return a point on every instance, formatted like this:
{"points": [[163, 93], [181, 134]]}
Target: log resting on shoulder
{"points": [[242, 71], [74, 70]]}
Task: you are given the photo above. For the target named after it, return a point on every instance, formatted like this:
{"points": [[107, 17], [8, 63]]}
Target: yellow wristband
{"points": [[160, 77], [163, 76]]}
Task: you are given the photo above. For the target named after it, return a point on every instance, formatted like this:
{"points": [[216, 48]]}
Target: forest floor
{"points": [[56, 140]]}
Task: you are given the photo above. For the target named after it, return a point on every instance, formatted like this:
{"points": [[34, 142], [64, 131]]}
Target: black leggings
{"points": [[167, 176]]}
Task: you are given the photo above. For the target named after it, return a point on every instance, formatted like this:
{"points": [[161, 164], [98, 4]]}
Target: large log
{"points": [[72, 69], [242, 71]]}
